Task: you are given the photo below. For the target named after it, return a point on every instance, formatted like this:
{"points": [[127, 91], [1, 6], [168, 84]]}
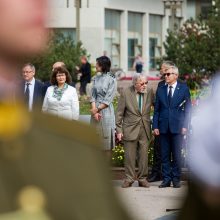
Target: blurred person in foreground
{"points": [[133, 126], [203, 196], [170, 121], [102, 95], [50, 168], [61, 99]]}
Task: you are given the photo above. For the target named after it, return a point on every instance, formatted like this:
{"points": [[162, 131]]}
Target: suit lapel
{"points": [[164, 88], [35, 92], [175, 94], [134, 99], [144, 101]]}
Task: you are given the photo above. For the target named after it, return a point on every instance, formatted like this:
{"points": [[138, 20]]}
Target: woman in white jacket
{"points": [[61, 99]]}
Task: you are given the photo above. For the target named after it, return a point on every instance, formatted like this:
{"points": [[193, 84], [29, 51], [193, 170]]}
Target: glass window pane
{"points": [[155, 40], [112, 36]]}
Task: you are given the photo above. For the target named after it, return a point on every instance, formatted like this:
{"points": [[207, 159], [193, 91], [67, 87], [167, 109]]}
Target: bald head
{"points": [[58, 64]]}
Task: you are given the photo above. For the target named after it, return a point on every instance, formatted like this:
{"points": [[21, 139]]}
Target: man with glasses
{"points": [[155, 174], [33, 89], [133, 126], [170, 121]]}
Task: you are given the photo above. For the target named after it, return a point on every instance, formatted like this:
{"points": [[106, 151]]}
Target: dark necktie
{"points": [[140, 102], [27, 94], [170, 94]]}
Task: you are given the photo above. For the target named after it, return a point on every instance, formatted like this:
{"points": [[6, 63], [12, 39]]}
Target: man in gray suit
{"points": [[133, 126]]}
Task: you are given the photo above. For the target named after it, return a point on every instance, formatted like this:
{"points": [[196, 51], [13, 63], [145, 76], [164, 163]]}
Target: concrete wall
{"points": [[92, 15]]}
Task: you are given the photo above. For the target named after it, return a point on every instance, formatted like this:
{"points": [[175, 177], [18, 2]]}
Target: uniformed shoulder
{"points": [[75, 130]]}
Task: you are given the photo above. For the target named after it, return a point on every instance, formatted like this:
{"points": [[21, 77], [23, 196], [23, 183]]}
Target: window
{"points": [[134, 36], [67, 32], [155, 40], [112, 36]]}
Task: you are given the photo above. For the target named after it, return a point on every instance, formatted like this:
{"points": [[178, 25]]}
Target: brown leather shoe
{"points": [[144, 183], [126, 184]]}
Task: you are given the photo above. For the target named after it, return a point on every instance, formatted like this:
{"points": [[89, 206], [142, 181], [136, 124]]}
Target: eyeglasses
{"points": [[60, 75], [142, 84], [167, 74], [27, 71]]}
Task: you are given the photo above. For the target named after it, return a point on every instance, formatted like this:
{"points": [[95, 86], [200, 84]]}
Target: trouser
{"points": [[156, 168], [171, 156], [82, 89], [139, 145]]}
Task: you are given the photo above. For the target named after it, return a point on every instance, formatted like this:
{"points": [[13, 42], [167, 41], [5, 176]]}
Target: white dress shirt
{"points": [[67, 107], [173, 88], [31, 93]]}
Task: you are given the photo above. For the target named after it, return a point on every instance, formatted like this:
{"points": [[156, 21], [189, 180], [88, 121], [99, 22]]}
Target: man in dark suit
{"points": [[155, 174], [170, 121], [33, 89], [84, 74]]}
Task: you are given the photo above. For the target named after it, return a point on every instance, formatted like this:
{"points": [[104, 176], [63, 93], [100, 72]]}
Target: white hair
{"points": [[136, 77]]}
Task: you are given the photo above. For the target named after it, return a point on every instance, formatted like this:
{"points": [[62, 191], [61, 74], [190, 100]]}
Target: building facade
{"points": [[122, 29]]}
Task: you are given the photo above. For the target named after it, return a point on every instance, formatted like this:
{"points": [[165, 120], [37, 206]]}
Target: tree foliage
{"points": [[195, 47], [60, 48]]}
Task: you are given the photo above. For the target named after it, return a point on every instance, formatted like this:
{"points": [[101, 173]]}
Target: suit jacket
{"points": [[38, 95], [128, 116], [85, 69], [173, 117]]}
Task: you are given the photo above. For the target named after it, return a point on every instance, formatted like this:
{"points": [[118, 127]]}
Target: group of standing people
{"points": [[133, 123], [57, 97]]}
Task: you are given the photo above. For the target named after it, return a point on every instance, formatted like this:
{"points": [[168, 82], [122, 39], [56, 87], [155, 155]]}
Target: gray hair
{"points": [[136, 76], [30, 65], [168, 63], [175, 69]]}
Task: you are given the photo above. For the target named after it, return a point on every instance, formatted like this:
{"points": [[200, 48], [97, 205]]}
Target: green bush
{"points": [[60, 48]]}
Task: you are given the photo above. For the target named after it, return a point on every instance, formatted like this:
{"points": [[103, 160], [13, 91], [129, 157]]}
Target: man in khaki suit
{"points": [[133, 125]]}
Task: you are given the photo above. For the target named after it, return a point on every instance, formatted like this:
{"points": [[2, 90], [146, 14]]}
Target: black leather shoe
{"points": [[176, 185], [154, 178], [164, 184]]}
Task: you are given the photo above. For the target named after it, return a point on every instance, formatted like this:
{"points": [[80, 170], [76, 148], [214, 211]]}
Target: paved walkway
{"points": [[151, 203]]}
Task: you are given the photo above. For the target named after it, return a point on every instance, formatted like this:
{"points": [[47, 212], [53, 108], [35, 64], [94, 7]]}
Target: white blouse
{"points": [[67, 107]]}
